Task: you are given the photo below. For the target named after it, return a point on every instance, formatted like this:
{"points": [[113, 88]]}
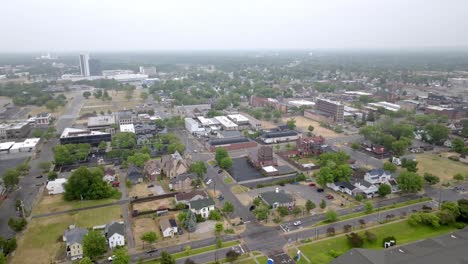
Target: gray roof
{"points": [[75, 235], [115, 228], [201, 203], [448, 248], [230, 133], [226, 141], [183, 177], [276, 197], [275, 134], [345, 185]]}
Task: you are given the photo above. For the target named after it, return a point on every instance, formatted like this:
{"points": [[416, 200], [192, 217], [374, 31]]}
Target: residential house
{"points": [[74, 242], [115, 234], [182, 181], [109, 175], [366, 188], [134, 174], [173, 165], [202, 207], [277, 198], [344, 187], [56, 186], [191, 196], [377, 176], [168, 227], [153, 169]]}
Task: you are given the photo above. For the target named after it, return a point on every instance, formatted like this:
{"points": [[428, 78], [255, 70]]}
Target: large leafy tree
{"points": [[410, 181], [88, 185], [167, 258], [149, 237], [124, 140], [438, 133], [384, 190], [94, 244], [138, 159], [226, 163], [220, 154], [324, 176], [198, 167], [11, 178], [121, 256]]}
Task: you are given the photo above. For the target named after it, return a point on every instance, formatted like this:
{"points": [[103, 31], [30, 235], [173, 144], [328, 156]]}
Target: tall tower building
{"points": [[84, 65], [95, 67]]}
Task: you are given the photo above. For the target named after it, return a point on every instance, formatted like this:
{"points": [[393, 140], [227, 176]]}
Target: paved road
{"points": [[125, 211], [362, 159], [28, 188]]}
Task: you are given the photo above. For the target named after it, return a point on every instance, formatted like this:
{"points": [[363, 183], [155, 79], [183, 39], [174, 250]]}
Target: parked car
{"points": [[209, 181], [319, 189], [220, 171], [151, 251], [151, 186], [297, 223], [40, 176], [330, 197], [111, 258], [312, 184], [220, 197]]}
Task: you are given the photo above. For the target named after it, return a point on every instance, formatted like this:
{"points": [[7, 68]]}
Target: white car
{"points": [[209, 181], [297, 223], [111, 258]]}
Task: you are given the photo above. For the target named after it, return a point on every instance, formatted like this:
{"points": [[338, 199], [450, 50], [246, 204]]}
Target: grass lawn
{"points": [[43, 236], [439, 166], [56, 203], [228, 179], [317, 252], [382, 209], [196, 251], [238, 189]]}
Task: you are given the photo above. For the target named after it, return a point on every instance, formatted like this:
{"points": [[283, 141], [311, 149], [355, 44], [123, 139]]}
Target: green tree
{"points": [[17, 224], [310, 128], [388, 166], [458, 177], [52, 105], [62, 155], [324, 176], [198, 167], [214, 215], [219, 243], [409, 182], [144, 96], [94, 244], [368, 207], [463, 208], [102, 146], [124, 140], [228, 207], [219, 227], [220, 154], [431, 179], [86, 94], [226, 163], [355, 145], [52, 175], [149, 237], [437, 133], [291, 123], [342, 172], [399, 147], [86, 260], [384, 190], [121, 256], [458, 145], [45, 165], [88, 185], [323, 204], [331, 216], [409, 165], [138, 159], [167, 258], [309, 205], [10, 178]]}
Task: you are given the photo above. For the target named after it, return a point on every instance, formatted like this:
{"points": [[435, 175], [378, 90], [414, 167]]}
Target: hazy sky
{"points": [[113, 25]]}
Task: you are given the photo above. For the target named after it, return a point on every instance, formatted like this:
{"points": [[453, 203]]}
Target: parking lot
{"points": [[242, 171]]}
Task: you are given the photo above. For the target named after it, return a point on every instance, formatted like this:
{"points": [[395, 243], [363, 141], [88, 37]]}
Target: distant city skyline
{"points": [[145, 25]]}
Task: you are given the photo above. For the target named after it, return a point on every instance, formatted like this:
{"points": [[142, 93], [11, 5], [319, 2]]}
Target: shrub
{"points": [[283, 211], [359, 197], [334, 253], [330, 231], [355, 240], [347, 228], [214, 215], [331, 216], [17, 224], [431, 179], [231, 255], [371, 237], [459, 225]]}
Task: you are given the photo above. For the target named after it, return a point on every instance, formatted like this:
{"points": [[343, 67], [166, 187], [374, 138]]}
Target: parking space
{"points": [[242, 171], [291, 226], [239, 249]]}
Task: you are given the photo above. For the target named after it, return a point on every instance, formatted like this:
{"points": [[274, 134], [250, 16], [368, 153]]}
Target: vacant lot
{"points": [[140, 190], [154, 205], [118, 102], [142, 225], [303, 124], [265, 124], [439, 166], [403, 232], [56, 203], [42, 240]]}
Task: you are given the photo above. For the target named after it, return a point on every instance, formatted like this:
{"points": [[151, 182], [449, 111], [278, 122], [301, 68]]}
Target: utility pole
{"points": [[22, 209]]}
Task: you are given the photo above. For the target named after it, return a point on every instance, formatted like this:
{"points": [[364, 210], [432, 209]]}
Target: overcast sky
{"points": [[131, 25]]}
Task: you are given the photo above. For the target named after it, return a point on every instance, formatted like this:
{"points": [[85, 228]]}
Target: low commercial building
{"points": [[449, 112], [28, 145], [193, 126], [17, 129], [127, 128], [5, 146], [241, 121], [277, 198], [386, 105], [279, 136], [76, 136], [101, 122], [226, 123], [230, 143]]}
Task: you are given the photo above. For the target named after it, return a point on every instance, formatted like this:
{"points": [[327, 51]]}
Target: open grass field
{"points": [[42, 240], [56, 203], [303, 123], [318, 252], [439, 166], [118, 102]]}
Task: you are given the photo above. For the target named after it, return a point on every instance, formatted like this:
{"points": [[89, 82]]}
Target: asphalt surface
{"points": [[29, 186]]}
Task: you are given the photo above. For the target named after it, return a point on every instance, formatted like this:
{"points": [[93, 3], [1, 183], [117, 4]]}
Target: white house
{"points": [[377, 176], [115, 234], [202, 207], [56, 186], [168, 227], [344, 187], [368, 189]]}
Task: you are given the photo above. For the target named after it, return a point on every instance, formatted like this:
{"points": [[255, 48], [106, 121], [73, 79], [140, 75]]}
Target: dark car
{"points": [[220, 197], [312, 184], [40, 176], [151, 251], [319, 189], [220, 171], [330, 197]]}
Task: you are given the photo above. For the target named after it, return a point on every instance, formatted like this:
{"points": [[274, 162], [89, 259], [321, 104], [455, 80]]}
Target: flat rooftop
{"points": [[238, 118], [225, 121], [76, 132]]}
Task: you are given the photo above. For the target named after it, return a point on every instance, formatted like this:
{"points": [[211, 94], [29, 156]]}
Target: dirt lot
{"points": [[42, 238], [119, 102], [265, 124], [154, 205], [142, 225], [303, 123], [140, 190], [440, 165], [56, 203]]}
